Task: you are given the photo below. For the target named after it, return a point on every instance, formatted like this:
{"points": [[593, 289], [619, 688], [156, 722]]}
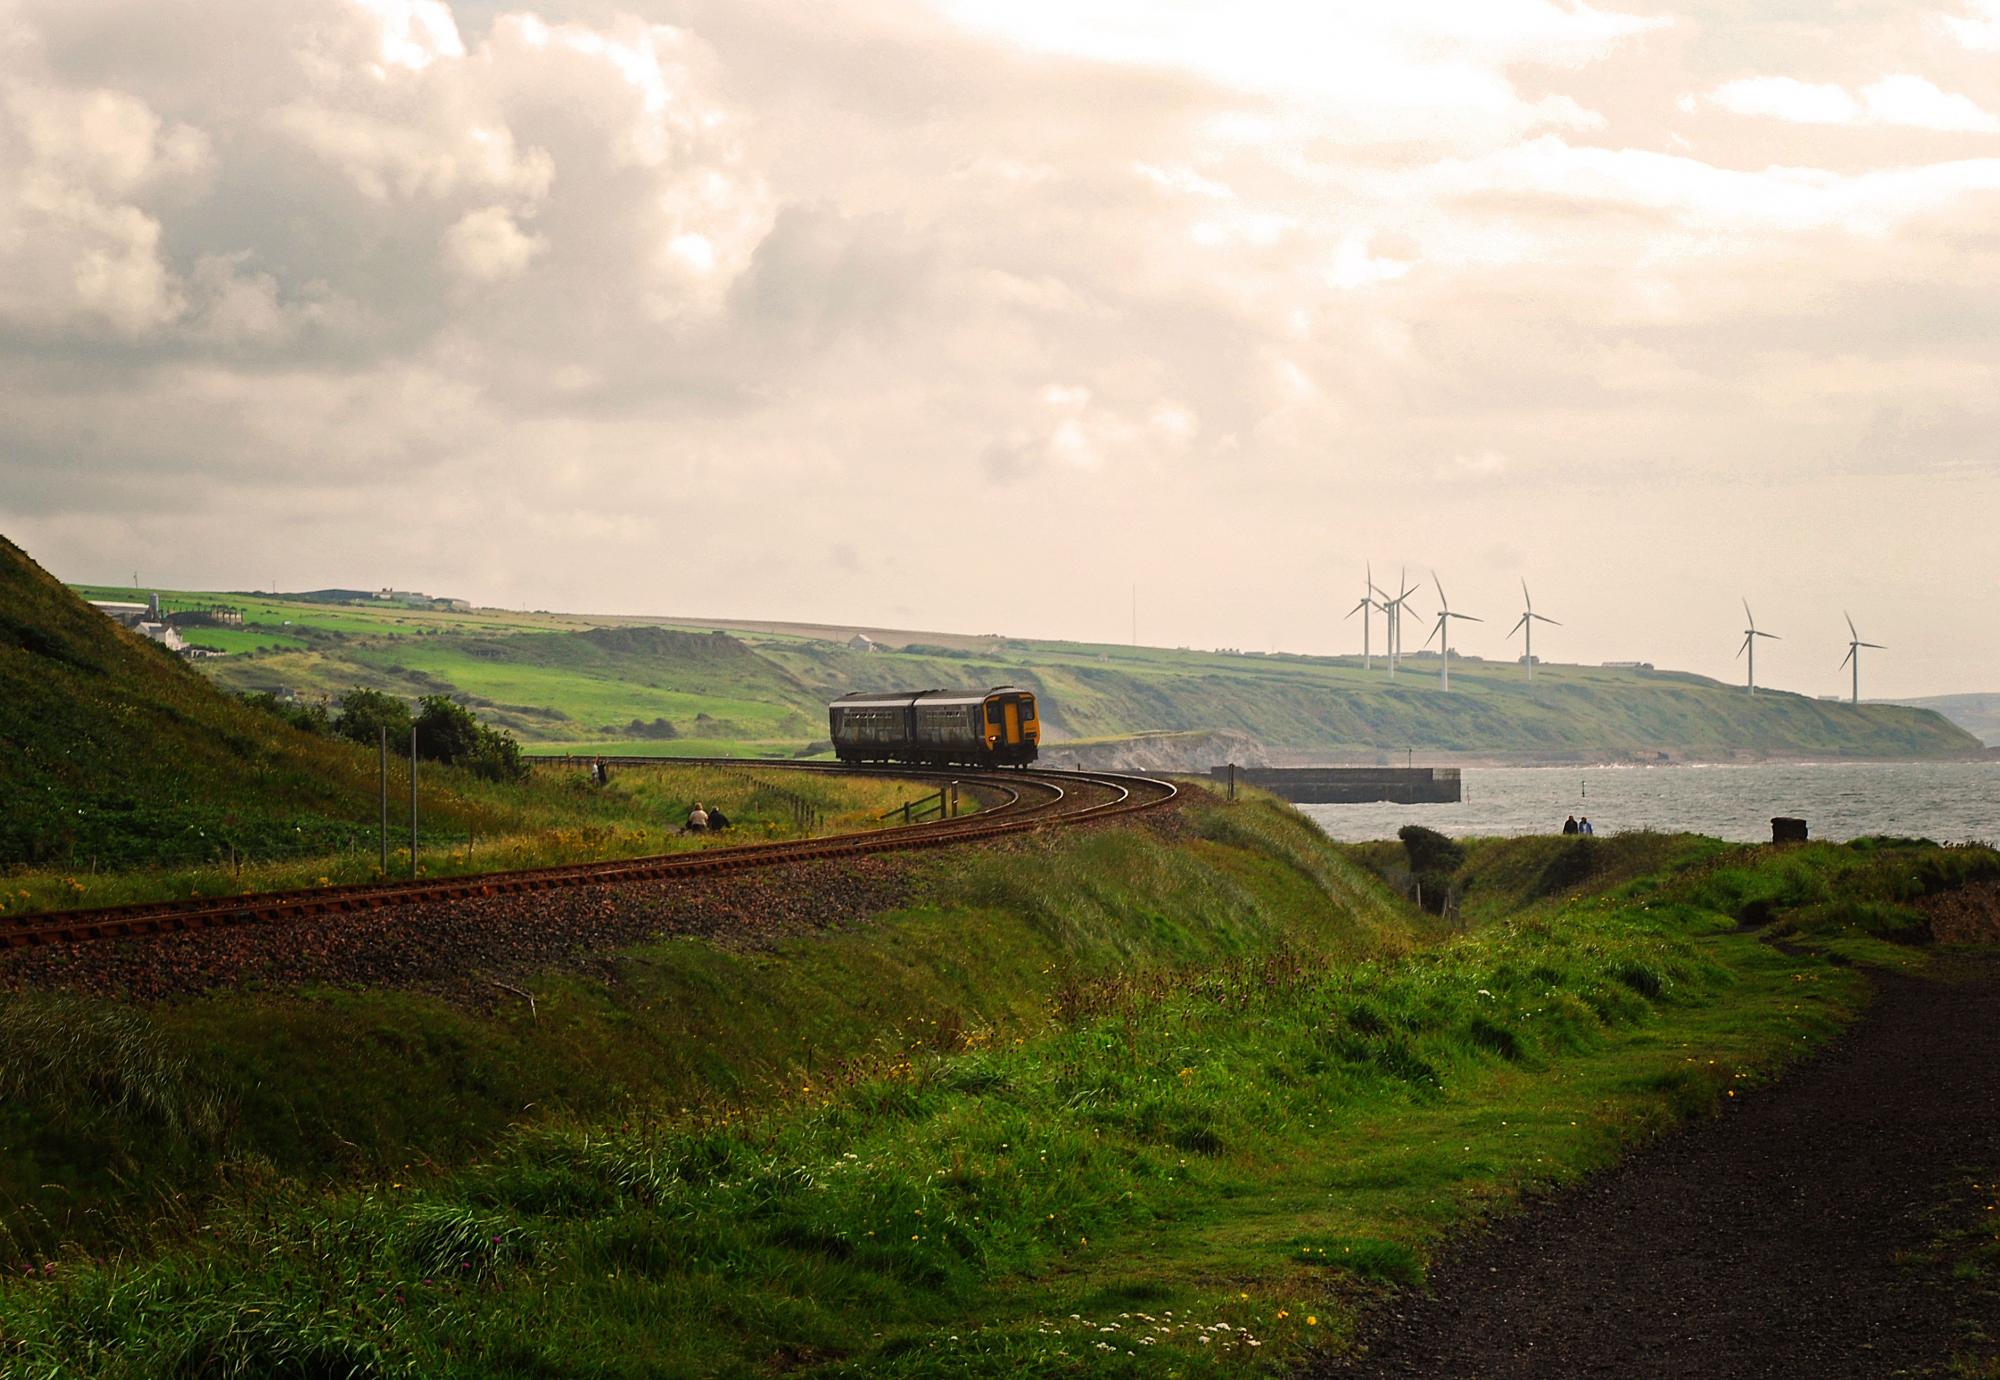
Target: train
{"points": [[996, 727]]}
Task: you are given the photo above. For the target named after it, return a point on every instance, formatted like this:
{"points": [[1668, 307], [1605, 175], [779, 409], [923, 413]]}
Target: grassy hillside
{"points": [[112, 748], [564, 682], [126, 775], [1978, 715], [1171, 1102]]}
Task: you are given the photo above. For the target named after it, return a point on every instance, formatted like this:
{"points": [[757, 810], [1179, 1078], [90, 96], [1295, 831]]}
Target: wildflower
{"points": [[1311, 1321]]}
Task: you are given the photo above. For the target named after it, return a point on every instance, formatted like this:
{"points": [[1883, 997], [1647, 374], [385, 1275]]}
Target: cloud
{"points": [[1010, 291], [1979, 31], [487, 246], [1903, 101]]}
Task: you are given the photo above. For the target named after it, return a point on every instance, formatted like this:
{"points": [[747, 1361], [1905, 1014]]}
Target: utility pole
{"points": [[413, 802], [1135, 615], [383, 731]]}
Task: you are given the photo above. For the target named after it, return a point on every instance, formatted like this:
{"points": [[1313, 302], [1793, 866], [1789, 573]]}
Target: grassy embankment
{"points": [[1121, 1103], [554, 817], [125, 776], [587, 683]]}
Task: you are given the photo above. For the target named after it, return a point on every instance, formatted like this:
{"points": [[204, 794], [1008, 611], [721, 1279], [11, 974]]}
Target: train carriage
{"points": [[972, 728]]}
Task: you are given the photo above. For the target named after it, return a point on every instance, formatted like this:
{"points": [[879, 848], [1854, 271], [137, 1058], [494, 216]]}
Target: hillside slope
{"points": [[1977, 714], [113, 750], [765, 690]]}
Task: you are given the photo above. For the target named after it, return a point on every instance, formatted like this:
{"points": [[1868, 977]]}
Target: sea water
{"points": [[1946, 801]]}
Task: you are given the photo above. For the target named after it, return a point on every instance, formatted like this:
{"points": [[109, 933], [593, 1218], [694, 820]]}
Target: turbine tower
{"points": [[1750, 636], [1443, 633], [1527, 627], [1854, 646], [1366, 608], [1394, 609]]}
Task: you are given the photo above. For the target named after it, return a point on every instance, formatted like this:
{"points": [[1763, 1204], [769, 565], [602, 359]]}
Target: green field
{"points": [[1157, 1105], [571, 679]]}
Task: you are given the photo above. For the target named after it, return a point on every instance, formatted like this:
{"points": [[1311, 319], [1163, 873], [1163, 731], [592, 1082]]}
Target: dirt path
{"points": [[1764, 1243]]}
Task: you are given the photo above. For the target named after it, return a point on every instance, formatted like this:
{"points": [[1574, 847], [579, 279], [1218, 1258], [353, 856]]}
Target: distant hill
{"points": [[568, 682], [115, 750], [1977, 714]]}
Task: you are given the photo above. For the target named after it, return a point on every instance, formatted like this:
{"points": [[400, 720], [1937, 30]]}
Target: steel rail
{"points": [[1016, 814]]}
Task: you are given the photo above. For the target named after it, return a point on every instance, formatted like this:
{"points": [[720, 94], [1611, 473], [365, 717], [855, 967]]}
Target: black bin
{"points": [[1787, 830]]}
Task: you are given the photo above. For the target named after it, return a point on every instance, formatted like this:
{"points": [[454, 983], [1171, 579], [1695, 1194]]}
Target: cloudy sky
{"points": [[971, 315]]}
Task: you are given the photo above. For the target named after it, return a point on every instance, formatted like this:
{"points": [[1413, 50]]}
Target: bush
{"points": [[1433, 860], [365, 713], [448, 732], [309, 718]]}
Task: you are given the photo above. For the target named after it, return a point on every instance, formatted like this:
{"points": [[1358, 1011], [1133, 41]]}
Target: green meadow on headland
{"points": [[569, 682], [1162, 1100]]}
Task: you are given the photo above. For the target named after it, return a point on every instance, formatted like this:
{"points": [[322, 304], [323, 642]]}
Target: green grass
{"points": [[1212, 1086], [555, 817]]}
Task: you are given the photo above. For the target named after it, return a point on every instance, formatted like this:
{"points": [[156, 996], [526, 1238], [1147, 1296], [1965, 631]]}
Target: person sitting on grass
{"points": [[697, 820], [717, 821]]}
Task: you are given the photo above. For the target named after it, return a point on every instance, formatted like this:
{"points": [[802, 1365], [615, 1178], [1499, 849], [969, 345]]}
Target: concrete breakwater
{"points": [[1349, 785]]}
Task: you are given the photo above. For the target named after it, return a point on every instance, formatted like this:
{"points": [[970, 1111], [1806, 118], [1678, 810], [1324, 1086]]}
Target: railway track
{"points": [[1029, 800]]}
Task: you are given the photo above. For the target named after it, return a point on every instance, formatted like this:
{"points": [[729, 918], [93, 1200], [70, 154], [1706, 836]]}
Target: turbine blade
{"points": [[1524, 596], [1876, 645], [1849, 657], [1518, 626], [1544, 618], [1749, 615], [1442, 601], [1468, 617], [1850, 623], [1746, 645]]}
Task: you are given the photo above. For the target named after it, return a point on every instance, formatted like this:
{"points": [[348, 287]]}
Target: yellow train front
{"points": [[996, 727]]}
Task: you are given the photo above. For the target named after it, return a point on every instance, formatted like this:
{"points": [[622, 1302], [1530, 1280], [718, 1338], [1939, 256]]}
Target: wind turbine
{"points": [[1394, 608], [1750, 636], [1366, 609], [1527, 627], [1854, 646], [1443, 633]]}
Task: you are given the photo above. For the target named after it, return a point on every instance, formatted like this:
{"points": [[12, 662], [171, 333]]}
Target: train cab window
{"points": [[993, 711]]}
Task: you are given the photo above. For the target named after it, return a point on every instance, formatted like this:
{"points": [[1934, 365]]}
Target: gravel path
{"points": [[1764, 1243]]}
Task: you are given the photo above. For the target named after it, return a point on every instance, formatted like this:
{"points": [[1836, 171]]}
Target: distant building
{"points": [[125, 615], [1627, 665], [861, 642], [452, 605], [166, 634]]}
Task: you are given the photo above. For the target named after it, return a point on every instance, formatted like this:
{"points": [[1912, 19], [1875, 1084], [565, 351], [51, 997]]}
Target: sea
{"points": [[1951, 802]]}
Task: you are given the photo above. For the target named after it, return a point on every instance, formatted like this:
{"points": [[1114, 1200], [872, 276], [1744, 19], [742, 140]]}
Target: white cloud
{"points": [[1701, 196], [1980, 30], [1906, 101], [415, 33], [487, 246], [1380, 72]]}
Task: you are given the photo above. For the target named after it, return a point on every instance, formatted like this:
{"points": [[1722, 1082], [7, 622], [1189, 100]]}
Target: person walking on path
{"points": [[1570, 825], [1583, 826]]}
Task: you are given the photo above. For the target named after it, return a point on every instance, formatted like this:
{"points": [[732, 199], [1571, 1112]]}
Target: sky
{"points": [[979, 317]]}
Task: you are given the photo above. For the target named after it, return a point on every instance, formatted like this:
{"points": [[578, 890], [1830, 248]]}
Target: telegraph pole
{"points": [[383, 833], [413, 802]]}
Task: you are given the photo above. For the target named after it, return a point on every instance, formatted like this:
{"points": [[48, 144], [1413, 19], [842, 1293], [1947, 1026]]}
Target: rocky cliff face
{"points": [[1159, 752]]}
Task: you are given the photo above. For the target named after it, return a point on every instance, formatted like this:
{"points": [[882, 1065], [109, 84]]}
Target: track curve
{"points": [[1031, 801]]}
